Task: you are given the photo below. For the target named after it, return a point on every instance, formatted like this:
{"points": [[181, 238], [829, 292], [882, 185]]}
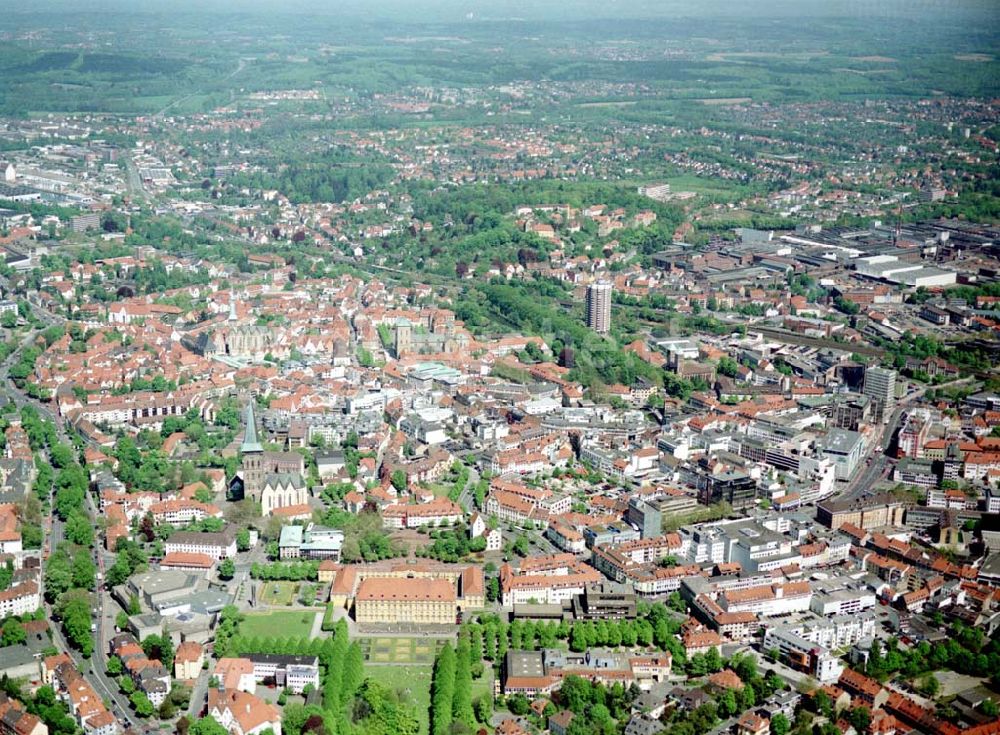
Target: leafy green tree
{"points": [[774, 682], [13, 634], [335, 659], [676, 603], [713, 661], [294, 717], [120, 571], [243, 540], [58, 574], [84, 573], [929, 686], [575, 694], [780, 724], [847, 307], [227, 569], [79, 529], [52, 711], [380, 713], [728, 366], [161, 648], [461, 707], [860, 718], [207, 726], [73, 608], [727, 704], [745, 666], [484, 707], [354, 673], [443, 691], [824, 705], [518, 704], [876, 667], [31, 535], [61, 456]]}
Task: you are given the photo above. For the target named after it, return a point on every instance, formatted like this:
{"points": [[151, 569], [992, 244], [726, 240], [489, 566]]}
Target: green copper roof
{"points": [[250, 442]]}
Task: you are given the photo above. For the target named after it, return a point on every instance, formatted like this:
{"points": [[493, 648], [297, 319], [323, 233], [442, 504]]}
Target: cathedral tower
{"points": [[253, 457]]}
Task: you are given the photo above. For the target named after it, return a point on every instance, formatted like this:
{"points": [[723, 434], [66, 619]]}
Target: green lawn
{"points": [[278, 624], [440, 490], [413, 682], [278, 593], [483, 685]]}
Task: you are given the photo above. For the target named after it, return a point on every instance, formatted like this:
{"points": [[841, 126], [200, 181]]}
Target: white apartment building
{"points": [[216, 545], [824, 553], [768, 601], [566, 538], [546, 591], [803, 654], [20, 599], [438, 512], [292, 672], [842, 602], [754, 548], [820, 474], [992, 501], [809, 644], [705, 545], [180, 511]]}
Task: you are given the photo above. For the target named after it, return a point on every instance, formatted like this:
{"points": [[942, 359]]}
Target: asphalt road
{"points": [[132, 180], [466, 499]]}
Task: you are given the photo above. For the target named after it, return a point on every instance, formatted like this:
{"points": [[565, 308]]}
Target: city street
{"points": [[104, 615], [467, 499], [881, 465]]}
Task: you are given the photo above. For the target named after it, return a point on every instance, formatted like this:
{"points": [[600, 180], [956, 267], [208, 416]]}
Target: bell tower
{"points": [[253, 457]]}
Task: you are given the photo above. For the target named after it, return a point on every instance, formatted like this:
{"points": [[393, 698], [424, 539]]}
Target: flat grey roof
{"points": [[841, 441], [525, 663]]}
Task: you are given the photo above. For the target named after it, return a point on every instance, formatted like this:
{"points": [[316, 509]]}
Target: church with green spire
{"points": [[273, 479]]}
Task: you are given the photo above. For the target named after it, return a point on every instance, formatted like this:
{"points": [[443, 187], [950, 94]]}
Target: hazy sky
{"points": [[452, 10]]}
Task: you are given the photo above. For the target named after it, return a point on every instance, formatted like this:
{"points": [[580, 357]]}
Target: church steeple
{"points": [[250, 442]]}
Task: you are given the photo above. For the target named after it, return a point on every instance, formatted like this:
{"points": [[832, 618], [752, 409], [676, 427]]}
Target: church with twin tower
{"points": [[273, 479]]}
